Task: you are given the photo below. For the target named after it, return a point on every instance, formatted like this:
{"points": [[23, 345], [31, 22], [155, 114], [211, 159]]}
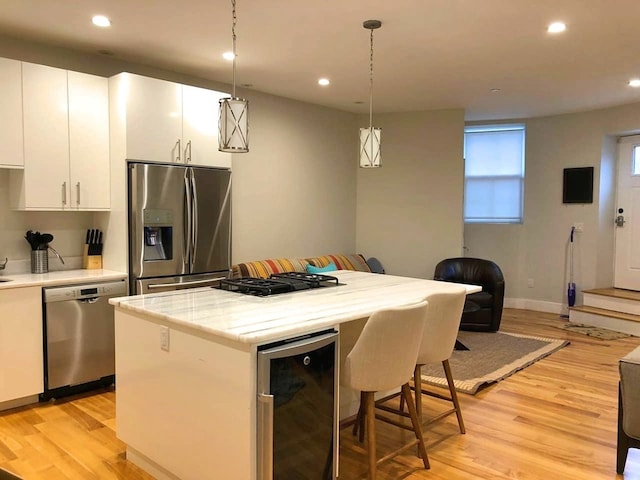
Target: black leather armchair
{"points": [[482, 310]]}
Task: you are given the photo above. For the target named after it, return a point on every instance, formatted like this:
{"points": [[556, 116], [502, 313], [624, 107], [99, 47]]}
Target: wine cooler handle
{"points": [[265, 418]]}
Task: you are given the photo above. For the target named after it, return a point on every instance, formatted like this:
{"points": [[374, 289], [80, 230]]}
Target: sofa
{"points": [[628, 407], [264, 268], [483, 310]]}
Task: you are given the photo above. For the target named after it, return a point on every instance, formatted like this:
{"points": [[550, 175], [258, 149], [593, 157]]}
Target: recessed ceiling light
{"points": [[495, 90], [634, 82], [101, 21], [324, 82], [228, 56], [557, 27]]}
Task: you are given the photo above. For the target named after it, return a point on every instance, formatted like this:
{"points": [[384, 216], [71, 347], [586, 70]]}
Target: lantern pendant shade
{"points": [[233, 125], [370, 154]]}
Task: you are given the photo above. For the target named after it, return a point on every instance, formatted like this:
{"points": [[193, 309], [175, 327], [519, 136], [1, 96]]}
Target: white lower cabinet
{"points": [[66, 141], [21, 351]]}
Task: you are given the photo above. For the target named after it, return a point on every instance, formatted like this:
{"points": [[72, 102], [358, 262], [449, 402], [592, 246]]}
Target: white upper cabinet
{"points": [[151, 112], [88, 141], [11, 152], [200, 127], [158, 121], [66, 141], [45, 179]]}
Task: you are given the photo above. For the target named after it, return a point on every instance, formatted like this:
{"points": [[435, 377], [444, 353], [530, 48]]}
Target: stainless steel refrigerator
{"points": [[179, 226]]}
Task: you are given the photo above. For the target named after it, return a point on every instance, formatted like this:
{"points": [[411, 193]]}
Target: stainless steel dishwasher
{"points": [[79, 345]]}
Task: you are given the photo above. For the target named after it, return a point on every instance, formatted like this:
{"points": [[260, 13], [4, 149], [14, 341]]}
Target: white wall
{"points": [[538, 248], [409, 211], [294, 193]]}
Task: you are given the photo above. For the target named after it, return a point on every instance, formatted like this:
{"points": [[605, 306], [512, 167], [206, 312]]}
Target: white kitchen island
{"points": [[186, 365]]}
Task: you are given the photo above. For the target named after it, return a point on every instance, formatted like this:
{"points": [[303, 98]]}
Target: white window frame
{"points": [[497, 128]]}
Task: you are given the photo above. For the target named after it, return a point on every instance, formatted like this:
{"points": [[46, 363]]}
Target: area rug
{"points": [[491, 357], [596, 332]]}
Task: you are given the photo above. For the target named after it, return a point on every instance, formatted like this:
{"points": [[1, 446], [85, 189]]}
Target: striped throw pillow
{"points": [[342, 262], [264, 268]]}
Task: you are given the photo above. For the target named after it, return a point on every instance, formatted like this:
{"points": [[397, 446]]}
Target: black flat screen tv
{"points": [[577, 185]]}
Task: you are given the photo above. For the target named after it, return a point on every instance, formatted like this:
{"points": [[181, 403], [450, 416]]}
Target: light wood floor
{"points": [[553, 420]]}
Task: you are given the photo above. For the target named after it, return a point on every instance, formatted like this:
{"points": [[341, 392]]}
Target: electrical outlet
{"points": [[530, 282], [579, 226], [164, 338]]}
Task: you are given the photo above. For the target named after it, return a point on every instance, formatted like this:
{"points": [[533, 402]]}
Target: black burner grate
{"points": [[278, 283], [315, 280]]}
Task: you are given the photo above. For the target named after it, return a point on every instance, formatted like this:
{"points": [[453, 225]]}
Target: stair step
{"points": [[616, 299], [606, 313], [604, 318], [615, 292]]}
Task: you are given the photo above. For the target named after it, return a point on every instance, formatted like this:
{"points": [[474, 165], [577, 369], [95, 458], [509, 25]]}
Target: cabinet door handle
{"points": [[178, 150], [78, 193], [187, 152], [64, 193]]}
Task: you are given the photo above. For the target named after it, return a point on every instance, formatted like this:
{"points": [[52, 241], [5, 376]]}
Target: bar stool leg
{"points": [[370, 415], [406, 392], [417, 386], [358, 426], [454, 395]]}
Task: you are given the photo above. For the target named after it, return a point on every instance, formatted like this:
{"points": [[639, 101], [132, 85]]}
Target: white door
{"points": [[627, 234]]}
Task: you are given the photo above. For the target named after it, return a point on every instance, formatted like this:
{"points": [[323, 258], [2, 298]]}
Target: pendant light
{"points": [[370, 154], [233, 124]]}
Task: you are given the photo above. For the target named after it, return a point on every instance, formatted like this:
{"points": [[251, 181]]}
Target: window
{"points": [[636, 160], [494, 173]]}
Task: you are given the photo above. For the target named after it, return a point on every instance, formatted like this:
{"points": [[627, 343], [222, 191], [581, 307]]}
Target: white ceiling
{"points": [[429, 54]]}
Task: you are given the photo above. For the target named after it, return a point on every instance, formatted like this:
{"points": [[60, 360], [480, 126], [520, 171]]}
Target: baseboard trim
{"points": [[18, 402], [536, 305]]}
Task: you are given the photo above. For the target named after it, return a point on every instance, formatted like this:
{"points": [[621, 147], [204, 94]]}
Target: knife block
{"points": [[91, 262]]}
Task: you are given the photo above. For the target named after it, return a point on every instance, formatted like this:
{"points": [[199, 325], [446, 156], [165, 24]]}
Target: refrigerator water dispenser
{"points": [[158, 234]]}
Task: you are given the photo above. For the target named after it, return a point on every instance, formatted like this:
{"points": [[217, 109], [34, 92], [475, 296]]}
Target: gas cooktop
{"points": [[278, 283]]}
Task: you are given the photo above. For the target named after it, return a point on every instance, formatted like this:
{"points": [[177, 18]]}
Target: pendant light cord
{"points": [[233, 34], [371, 86]]}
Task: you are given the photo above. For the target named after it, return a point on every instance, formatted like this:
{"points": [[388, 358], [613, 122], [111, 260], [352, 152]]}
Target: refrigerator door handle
{"points": [[188, 222], [225, 202], [265, 421], [194, 220]]}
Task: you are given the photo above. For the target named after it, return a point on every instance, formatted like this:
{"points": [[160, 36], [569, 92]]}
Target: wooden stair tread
{"points": [[615, 293], [606, 313]]}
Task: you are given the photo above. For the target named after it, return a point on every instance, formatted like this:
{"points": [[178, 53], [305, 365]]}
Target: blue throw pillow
{"points": [[329, 268]]}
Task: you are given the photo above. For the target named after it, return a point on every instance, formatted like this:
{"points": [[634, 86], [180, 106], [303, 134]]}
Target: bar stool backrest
{"points": [[384, 356]]}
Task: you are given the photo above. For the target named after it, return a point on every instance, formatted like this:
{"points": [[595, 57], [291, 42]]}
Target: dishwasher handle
{"points": [[90, 301]]}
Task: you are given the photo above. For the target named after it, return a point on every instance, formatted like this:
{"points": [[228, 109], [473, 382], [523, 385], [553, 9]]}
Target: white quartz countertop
{"points": [[60, 277], [257, 320]]}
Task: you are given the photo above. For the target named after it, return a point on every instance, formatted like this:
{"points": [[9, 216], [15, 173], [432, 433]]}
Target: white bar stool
{"points": [[438, 340], [383, 358]]}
